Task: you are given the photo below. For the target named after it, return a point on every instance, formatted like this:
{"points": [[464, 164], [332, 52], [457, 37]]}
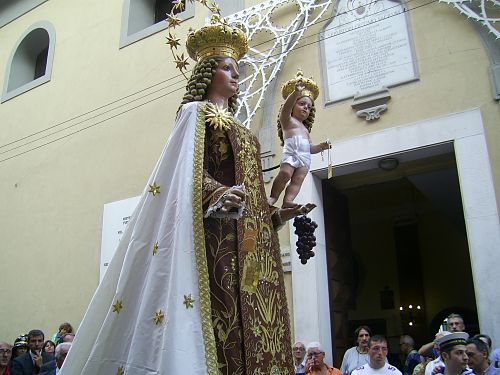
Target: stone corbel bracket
{"points": [[370, 105]]}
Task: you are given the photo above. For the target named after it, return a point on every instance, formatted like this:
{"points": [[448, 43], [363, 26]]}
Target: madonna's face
{"points": [[225, 79]]}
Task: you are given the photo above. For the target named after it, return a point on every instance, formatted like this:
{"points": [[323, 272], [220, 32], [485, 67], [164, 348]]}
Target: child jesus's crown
{"points": [[311, 89]]}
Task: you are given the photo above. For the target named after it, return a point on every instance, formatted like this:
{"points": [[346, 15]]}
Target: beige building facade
{"points": [[89, 97]]}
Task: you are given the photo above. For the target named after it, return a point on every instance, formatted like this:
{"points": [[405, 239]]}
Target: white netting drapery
{"points": [[270, 44], [486, 12]]}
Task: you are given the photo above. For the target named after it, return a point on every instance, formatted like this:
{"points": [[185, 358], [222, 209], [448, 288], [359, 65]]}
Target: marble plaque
{"points": [[365, 47]]}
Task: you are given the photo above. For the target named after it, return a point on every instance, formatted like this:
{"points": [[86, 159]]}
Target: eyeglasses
{"points": [[317, 354], [299, 348], [5, 351]]}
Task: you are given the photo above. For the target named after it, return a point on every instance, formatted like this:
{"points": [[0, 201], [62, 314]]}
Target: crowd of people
{"points": [[32, 354], [452, 352]]}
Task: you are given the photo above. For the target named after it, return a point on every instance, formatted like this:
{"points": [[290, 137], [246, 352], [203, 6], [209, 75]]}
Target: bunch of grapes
{"points": [[304, 229]]}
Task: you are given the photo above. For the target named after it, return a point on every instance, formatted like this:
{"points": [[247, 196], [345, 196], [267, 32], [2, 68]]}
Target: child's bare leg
{"points": [[284, 175], [293, 187]]}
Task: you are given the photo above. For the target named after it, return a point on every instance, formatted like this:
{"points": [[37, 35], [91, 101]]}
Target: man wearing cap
{"points": [[477, 351], [438, 362], [454, 352], [315, 364], [20, 346], [377, 365]]}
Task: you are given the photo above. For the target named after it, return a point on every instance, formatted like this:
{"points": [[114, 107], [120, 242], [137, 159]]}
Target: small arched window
{"points": [[142, 18], [30, 63]]}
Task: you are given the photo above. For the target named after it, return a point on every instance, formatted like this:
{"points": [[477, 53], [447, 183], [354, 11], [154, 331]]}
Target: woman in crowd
{"points": [[49, 347]]}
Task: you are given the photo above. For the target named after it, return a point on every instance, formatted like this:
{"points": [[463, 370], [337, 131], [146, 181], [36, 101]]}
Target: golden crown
{"points": [[216, 39], [311, 89]]}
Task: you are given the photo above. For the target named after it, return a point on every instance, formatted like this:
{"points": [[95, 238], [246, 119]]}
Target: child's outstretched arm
{"points": [[320, 147], [286, 110]]}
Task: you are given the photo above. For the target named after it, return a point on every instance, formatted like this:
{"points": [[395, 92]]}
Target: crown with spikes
{"points": [[216, 39], [311, 89]]}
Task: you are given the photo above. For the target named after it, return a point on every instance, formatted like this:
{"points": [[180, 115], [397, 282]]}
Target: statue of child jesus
{"points": [[294, 125]]}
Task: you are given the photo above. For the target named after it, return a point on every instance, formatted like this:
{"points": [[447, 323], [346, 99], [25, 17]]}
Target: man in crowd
{"points": [[454, 322], [53, 367], [299, 358], [454, 352], [438, 362], [412, 358], [477, 352], [5, 353], [30, 362], [357, 355], [377, 365], [315, 364]]}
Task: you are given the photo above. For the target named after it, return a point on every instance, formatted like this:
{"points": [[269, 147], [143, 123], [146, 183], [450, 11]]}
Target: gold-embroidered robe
{"points": [[248, 302]]}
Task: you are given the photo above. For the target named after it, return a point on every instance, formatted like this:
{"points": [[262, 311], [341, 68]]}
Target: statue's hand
{"points": [[299, 86], [296, 210]]}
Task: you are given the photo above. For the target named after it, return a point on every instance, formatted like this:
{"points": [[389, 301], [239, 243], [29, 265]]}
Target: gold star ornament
{"points": [[173, 21], [188, 301], [178, 5], [154, 189], [217, 116], [158, 318], [181, 62], [172, 41], [215, 8], [118, 306]]}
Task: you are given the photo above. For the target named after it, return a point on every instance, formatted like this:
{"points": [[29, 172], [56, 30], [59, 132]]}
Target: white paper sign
{"points": [[115, 217]]}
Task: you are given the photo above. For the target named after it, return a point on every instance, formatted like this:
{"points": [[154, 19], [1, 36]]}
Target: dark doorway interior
{"points": [[397, 252]]}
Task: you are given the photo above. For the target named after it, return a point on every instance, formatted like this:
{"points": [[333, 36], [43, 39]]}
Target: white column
{"points": [[310, 281]]}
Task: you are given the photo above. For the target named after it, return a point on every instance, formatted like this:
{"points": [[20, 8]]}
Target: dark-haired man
{"points": [[357, 355], [377, 365], [477, 351], [30, 362], [454, 352]]}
